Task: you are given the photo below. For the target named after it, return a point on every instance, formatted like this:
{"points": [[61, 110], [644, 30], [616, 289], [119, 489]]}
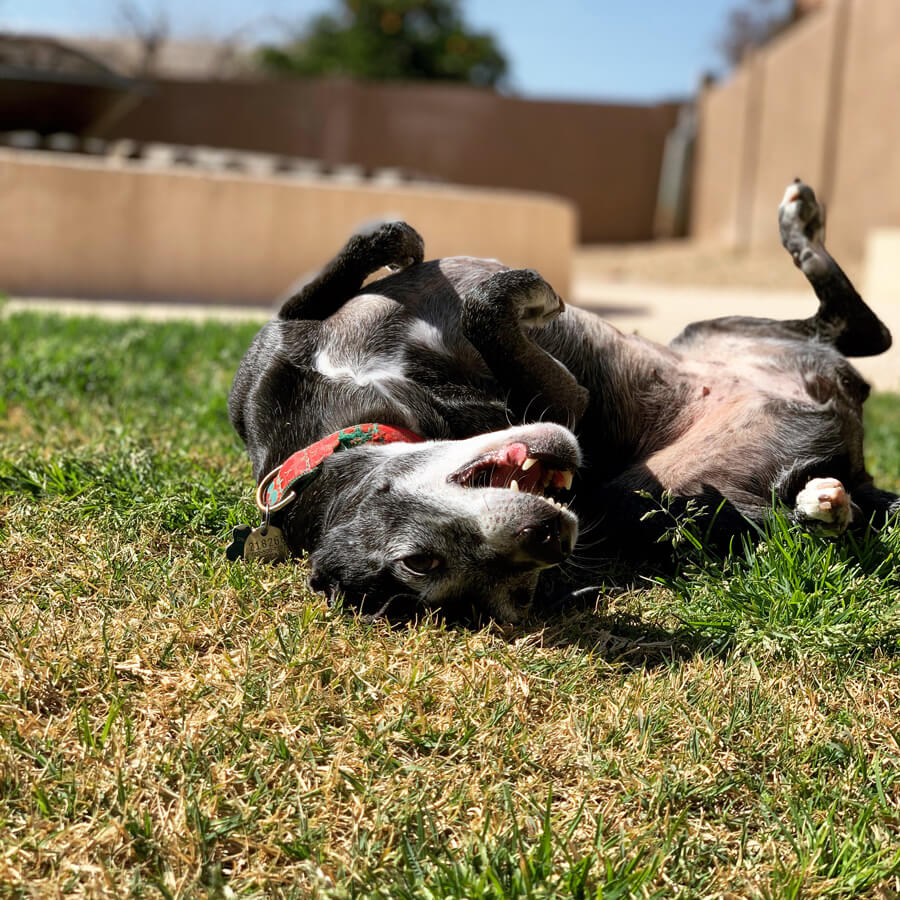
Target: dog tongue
{"points": [[515, 454], [508, 464]]}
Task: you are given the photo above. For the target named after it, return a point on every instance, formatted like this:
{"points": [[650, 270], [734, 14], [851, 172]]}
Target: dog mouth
{"points": [[518, 467]]}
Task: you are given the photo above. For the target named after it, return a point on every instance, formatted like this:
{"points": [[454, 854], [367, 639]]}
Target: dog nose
{"points": [[547, 542]]}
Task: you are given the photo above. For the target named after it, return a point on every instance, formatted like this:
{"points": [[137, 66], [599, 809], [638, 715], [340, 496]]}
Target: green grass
{"points": [[172, 725]]}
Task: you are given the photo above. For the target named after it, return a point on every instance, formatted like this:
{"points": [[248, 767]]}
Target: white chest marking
{"points": [[429, 336], [384, 375], [370, 374]]}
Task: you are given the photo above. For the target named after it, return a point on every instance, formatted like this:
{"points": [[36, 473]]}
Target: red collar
{"points": [[283, 483]]}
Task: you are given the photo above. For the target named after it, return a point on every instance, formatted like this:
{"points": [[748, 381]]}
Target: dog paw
{"points": [[824, 506], [536, 301], [541, 307], [801, 223], [508, 298], [395, 245]]}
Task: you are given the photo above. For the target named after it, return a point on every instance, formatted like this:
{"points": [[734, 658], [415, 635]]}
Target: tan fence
{"points": [[819, 103], [80, 227], [604, 157]]}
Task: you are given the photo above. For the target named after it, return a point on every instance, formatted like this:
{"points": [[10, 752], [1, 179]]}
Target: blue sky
{"points": [[640, 50]]}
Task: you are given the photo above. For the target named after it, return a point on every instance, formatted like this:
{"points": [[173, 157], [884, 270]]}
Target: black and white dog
{"points": [[487, 366]]}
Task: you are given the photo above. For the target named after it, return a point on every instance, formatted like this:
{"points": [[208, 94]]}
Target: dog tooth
{"points": [[567, 479], [529, 462], [514, 485]]}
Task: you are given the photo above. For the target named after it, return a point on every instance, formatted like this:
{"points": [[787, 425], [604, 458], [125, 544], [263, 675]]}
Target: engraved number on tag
{"points": [[266, 543]]}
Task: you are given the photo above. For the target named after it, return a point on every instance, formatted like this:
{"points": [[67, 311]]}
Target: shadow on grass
{"points": [[786, 594], [782, 592], [620, 638]]}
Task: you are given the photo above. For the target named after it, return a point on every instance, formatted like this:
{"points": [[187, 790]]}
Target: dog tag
{"points": [[266, 543]]}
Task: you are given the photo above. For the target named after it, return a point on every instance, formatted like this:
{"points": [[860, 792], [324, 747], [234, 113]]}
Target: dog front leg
{"points": [[392, 244], [494, 316]]}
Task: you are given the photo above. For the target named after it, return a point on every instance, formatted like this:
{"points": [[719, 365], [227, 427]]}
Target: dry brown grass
{"points": [[174, 725]]}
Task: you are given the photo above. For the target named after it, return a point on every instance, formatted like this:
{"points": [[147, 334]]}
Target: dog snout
{"points": [[547, 542]]}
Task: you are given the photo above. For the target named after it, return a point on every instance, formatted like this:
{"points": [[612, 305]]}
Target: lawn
{"points": [[174, 725]]}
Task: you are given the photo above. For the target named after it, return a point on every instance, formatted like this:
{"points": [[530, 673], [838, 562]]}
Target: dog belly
{"points": [[725, 442]]}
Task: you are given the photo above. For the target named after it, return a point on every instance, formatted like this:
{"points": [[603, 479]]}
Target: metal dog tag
{"points": [[266, 543]]}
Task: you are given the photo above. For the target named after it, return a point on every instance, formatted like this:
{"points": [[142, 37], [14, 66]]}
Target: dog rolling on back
{"points": [[493, 378]]}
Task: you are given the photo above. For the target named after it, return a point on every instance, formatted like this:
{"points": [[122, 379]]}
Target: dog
{"points": [[475, 380]]}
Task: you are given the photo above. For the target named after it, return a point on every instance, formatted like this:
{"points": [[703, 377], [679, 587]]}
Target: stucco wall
{"points": [[73, 226], [867, 176], [721, 127], [793, 120], [604, 157], [827, 113]]}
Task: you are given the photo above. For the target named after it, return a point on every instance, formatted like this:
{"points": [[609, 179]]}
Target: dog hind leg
{"points": [[495, 315], [825, 507], [843, 319], [392, 244], [875, 505]]}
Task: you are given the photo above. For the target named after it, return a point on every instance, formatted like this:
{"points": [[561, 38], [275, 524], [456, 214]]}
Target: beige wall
{"points": [[73, 226], [867, 177], [793, 119], [717, 179], [605, 158], [827, 109]]}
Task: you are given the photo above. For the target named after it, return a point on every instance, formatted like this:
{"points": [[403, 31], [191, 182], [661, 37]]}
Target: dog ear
{"points": [[320, 581]]}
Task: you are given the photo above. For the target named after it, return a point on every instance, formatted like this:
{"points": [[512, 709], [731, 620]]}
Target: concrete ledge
{"points": [[77, 226], [881, 279], [123, 311], [660, 312]]}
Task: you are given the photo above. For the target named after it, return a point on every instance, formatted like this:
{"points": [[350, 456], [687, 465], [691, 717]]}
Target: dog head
{"points": [[461, 525]]}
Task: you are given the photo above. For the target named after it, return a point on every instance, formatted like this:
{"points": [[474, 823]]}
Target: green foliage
{"points": [[77, 376], [391, 40], [883, 441], [794, 594]]}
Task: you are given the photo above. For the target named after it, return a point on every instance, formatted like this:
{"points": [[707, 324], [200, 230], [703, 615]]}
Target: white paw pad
{"points": [[825, 505], [540, 306]]}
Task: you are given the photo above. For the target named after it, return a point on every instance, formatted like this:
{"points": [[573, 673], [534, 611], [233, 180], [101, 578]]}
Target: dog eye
{"points": [[421, 563]]}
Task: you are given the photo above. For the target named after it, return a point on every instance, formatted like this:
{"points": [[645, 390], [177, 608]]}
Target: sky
{"points": [[627, 50]]}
